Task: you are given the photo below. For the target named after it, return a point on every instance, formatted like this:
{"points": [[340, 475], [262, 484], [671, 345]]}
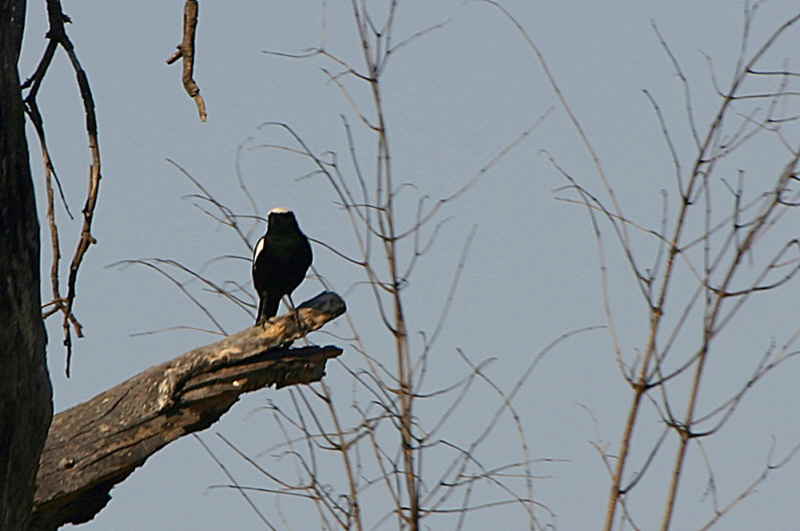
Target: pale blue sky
{"points": [[454, 99]]}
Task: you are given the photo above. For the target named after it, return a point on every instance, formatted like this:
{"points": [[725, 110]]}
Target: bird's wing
{"points": [[259, 247], [308, 253]]}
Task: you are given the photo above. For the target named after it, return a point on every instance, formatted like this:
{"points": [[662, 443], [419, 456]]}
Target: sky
{"points": [[454, 98]]}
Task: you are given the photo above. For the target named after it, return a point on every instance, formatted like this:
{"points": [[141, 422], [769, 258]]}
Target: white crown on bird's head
{"points": [[282, 219]]}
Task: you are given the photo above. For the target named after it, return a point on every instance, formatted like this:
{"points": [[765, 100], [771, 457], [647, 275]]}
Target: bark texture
{"points": [[25, 393]]}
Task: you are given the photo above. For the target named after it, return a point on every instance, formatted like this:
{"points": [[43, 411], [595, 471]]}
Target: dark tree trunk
{"points": [[25, 393]]}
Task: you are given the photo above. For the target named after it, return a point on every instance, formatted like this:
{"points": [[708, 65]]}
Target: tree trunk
{"points": [[25, 394]]}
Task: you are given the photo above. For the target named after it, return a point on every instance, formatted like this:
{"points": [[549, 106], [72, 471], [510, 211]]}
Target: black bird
{"points": [[280, 261]]}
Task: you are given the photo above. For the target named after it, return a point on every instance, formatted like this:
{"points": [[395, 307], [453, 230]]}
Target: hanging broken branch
{"points": [[186, 52]]}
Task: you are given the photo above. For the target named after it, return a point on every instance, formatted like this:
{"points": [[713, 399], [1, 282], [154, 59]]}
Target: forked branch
{"points": [[57, 36]]}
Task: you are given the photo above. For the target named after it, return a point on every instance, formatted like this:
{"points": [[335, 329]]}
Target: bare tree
{"points": [[388, 438], [708, 258], [719, 235]]}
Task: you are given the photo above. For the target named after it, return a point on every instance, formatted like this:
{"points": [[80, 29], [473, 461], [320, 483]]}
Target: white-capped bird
{"points": [[280, 261]]}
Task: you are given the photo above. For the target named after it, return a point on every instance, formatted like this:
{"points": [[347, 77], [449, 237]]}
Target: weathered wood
{"points": [[95, 445]]}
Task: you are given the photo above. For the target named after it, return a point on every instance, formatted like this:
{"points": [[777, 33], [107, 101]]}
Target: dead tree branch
{"points": [[95, 445], [186, 52], [57, 36]]}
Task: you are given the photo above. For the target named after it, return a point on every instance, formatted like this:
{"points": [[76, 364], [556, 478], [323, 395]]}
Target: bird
{"points": [[281, 259]]}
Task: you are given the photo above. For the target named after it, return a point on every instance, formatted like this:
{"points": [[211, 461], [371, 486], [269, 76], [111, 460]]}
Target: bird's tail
{"points": [[267, 307]]}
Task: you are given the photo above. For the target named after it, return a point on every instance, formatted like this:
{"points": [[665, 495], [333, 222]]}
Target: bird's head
{"points": [[281, 219]]}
